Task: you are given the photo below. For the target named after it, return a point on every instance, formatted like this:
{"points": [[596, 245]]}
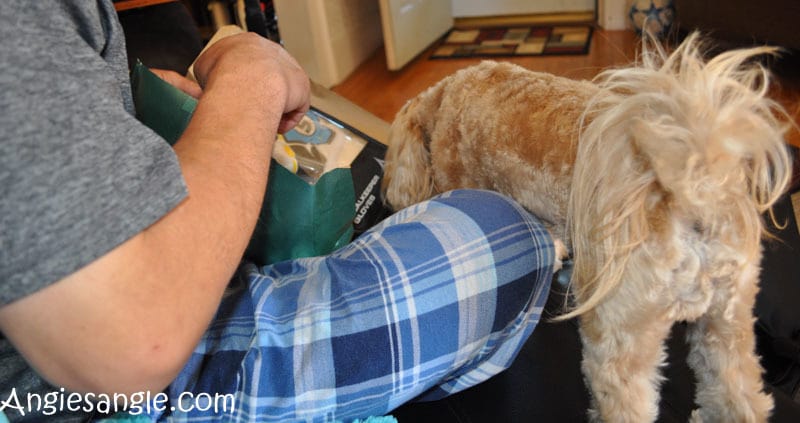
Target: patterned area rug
{"points": [[514, 41]]}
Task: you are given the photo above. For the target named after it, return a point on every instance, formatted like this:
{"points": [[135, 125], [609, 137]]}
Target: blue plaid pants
{"points": [[437, 298]]}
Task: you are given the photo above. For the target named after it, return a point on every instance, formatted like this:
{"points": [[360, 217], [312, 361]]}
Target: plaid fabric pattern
{"points": [[437, 298]]}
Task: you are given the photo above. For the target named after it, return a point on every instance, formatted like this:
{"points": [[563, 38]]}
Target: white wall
{"points": [[409, 26], [329, 38], [467, 8], [613, 14]]}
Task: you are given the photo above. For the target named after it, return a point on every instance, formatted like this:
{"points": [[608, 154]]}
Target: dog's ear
{"points": [[408, 177]]}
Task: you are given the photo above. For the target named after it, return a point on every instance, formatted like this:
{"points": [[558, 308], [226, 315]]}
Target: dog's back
{"points": [[494, 126]]}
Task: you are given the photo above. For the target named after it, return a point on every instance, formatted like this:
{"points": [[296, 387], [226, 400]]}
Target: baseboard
{"points": [[534, 19]]}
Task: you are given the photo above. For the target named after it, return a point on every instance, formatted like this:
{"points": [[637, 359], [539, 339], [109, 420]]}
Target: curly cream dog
{"points": [[655, 177]]}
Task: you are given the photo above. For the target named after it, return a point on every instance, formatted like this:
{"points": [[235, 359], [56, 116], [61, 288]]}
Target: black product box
{"points": [[367, 167]]}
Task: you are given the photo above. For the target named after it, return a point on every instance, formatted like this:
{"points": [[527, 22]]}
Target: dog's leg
{"points": [[623, 348], [561, 254], [723, 357]]}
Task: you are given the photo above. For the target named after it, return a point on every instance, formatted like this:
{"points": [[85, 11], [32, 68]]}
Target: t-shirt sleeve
{"points": [[79, 175]]}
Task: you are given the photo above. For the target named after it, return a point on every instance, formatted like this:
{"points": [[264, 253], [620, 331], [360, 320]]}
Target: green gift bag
{"points": [[297, 219]]}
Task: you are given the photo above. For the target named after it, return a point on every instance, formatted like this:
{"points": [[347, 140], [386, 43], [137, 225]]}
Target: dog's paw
{"points": [[561, 255]]}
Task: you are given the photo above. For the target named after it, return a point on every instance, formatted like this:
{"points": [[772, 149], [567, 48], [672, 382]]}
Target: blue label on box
{"points": [[309, 131]]}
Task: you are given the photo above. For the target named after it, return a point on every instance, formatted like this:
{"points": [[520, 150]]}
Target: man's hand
{"points": [[240, 59]]}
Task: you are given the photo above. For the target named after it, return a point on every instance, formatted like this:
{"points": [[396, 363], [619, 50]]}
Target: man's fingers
{"points": [[290, 120], [180, 82]]}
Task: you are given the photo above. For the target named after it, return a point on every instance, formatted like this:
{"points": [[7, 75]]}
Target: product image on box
{"points": [[320, 145]]}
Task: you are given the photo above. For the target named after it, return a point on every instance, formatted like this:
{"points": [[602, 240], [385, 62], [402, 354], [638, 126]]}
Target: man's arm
{"points": [[128, 321]]}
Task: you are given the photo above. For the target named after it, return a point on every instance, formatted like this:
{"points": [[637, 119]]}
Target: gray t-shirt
{"points": [[79, 174]]}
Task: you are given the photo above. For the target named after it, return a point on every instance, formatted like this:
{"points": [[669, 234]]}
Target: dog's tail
{"points": [[674, 135], [408, 176]]}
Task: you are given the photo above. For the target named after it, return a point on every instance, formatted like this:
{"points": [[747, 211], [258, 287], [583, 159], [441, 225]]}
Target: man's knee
{"points": [[522, 249], [480, 244], [504, 223]]}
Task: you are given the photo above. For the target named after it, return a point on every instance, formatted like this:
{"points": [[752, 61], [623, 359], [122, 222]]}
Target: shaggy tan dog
{"points": [[655, 177]]}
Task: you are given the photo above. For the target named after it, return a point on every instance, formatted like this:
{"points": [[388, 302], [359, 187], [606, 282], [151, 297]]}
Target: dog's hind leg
{"points": [[722, 355], [623, 348]]}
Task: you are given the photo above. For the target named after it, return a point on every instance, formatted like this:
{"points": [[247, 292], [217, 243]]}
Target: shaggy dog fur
{"points": [[655, 176]]}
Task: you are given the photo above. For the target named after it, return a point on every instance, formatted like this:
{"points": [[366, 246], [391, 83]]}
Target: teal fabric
{"points": [[297, 219], [164, 108], [303, 220]]}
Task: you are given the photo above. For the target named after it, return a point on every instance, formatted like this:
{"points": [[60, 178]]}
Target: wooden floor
{"points": [[383, 92]]}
